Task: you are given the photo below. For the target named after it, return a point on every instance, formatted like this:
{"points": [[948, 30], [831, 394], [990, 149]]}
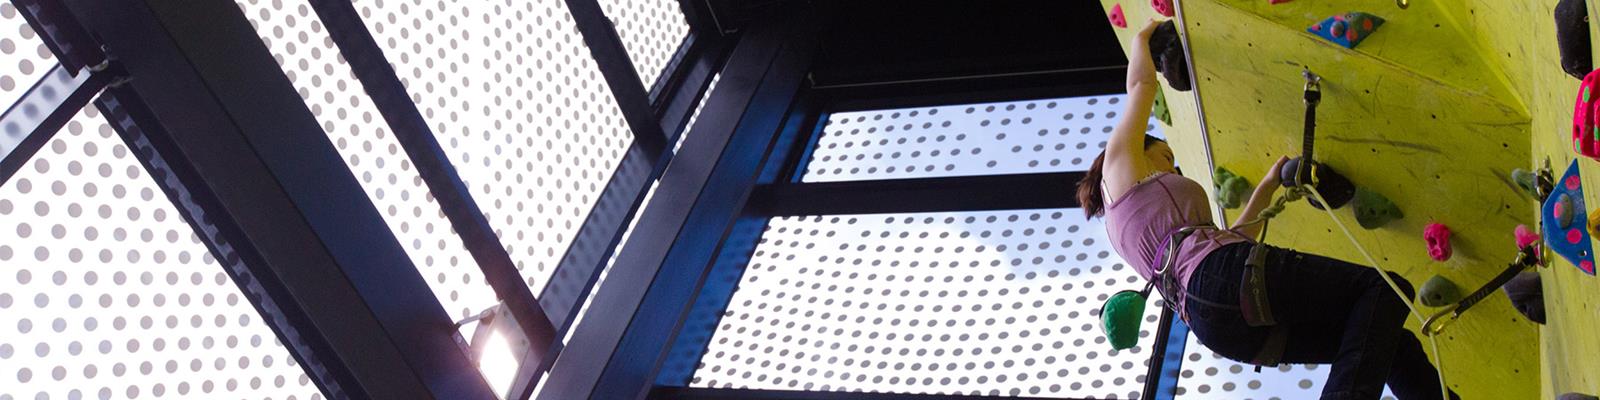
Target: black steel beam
{"points": [[389, 96], [1166, 357], [612, 58], [43, 110], [615, 354], [963, 193], [683, 393], [1090, 81], [734, 252], [597, 239], [61, 33], [240, 146]]}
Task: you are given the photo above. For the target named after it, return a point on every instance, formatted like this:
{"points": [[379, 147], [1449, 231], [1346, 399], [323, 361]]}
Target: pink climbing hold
{"points": [[1163, 7], [1586, 118], [1277, 1], [1574, 235], [1525, 236], [1117, 18], [1438, 237]]}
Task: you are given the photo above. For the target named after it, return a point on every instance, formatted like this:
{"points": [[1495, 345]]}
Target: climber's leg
{"points": [[1337, 312]]}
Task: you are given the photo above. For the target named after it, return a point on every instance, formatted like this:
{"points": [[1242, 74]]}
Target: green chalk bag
{"points": [[1120, 317]]}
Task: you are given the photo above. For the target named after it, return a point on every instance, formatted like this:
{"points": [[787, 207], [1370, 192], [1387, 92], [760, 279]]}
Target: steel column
{"points": [[240, 152]]}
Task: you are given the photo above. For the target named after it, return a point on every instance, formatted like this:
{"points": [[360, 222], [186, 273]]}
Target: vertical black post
{"points": [[615, 354], [233, 144]]}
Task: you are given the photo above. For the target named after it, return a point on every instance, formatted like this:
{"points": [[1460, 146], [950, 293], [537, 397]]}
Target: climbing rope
{"points": [[1433, 340], [1305, 185]]}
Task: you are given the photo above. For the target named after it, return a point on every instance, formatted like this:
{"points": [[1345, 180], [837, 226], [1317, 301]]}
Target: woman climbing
{"points": [[1307, 309]]}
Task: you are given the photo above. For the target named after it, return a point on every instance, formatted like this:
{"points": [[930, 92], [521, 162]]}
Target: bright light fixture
{"points": [[498, 345]]}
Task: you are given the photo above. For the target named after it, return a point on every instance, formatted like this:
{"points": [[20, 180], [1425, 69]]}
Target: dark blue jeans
{"points": [[1336, 312]]}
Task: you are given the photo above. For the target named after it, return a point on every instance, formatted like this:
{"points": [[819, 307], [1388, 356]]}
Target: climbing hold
{"points": [[1334, 187], [1373, 211], [1438, 238], [1166, 51], [1160, 109], [1117, 18], [1526, 292], [1563, 211], [1572, 36], [1526, 181], [1576, 396], [1525, 236], [1231, 188], [1439, 291], [1586, 118], [1120, 316], [1572, 243], [1347, 29], [1277, 1], [1163, 7]]}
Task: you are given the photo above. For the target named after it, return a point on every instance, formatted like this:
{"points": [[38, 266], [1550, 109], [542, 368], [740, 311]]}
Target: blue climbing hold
{"points": [[1570, 241], [1347, 29]]}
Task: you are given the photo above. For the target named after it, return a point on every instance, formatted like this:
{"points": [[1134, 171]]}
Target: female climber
{"points": [[1321, 310]]}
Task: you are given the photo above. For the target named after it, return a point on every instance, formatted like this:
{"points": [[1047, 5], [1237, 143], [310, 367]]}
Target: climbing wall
{"points": [[1432, 111], [1519, 38]]}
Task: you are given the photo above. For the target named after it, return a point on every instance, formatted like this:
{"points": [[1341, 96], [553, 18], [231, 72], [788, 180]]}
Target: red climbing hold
{"points": [[1117, 19], [1574, 235], [1438, 237], [1163, 7]]}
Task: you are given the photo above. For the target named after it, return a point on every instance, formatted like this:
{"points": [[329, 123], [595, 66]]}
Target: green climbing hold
{"points": [[1160, 110], [1525, 179], [1373, 210], [1232, 189], [1120, 316], [1438, 292]]}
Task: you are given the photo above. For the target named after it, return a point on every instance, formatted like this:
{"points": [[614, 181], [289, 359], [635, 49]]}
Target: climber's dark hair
{"points": [[1089, 192]]}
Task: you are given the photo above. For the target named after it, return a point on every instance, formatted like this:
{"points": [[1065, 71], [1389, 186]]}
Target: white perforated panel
{"points": [[989, 303], [1206, 375], [23, 56], [520, 107], [651, 31], [978, 139], [105, 292], [312, 62]]}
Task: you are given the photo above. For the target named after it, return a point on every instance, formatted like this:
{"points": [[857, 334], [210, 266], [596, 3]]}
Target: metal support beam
{"points": [[1166, 357], [975, 89], [679, 393], [963, 193], [43, 110], [734, 252], [612, 57], [598, 237], [62, 33], [243, 156], [616, 354], [389, 96]]}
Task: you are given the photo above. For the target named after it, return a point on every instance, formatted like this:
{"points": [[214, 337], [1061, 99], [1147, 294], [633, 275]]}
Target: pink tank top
{"points": [[1139, 222]]}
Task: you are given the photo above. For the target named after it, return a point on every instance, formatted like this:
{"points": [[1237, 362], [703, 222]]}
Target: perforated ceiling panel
{"points": [[23, 56], [1207, 375], [990, 303], [651, 31], [978, 139], [108, 293], [313, 64], [519, 106]]}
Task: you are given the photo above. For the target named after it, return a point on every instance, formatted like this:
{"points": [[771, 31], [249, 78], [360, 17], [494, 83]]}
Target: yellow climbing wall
{"points": [[1433, 111]]}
